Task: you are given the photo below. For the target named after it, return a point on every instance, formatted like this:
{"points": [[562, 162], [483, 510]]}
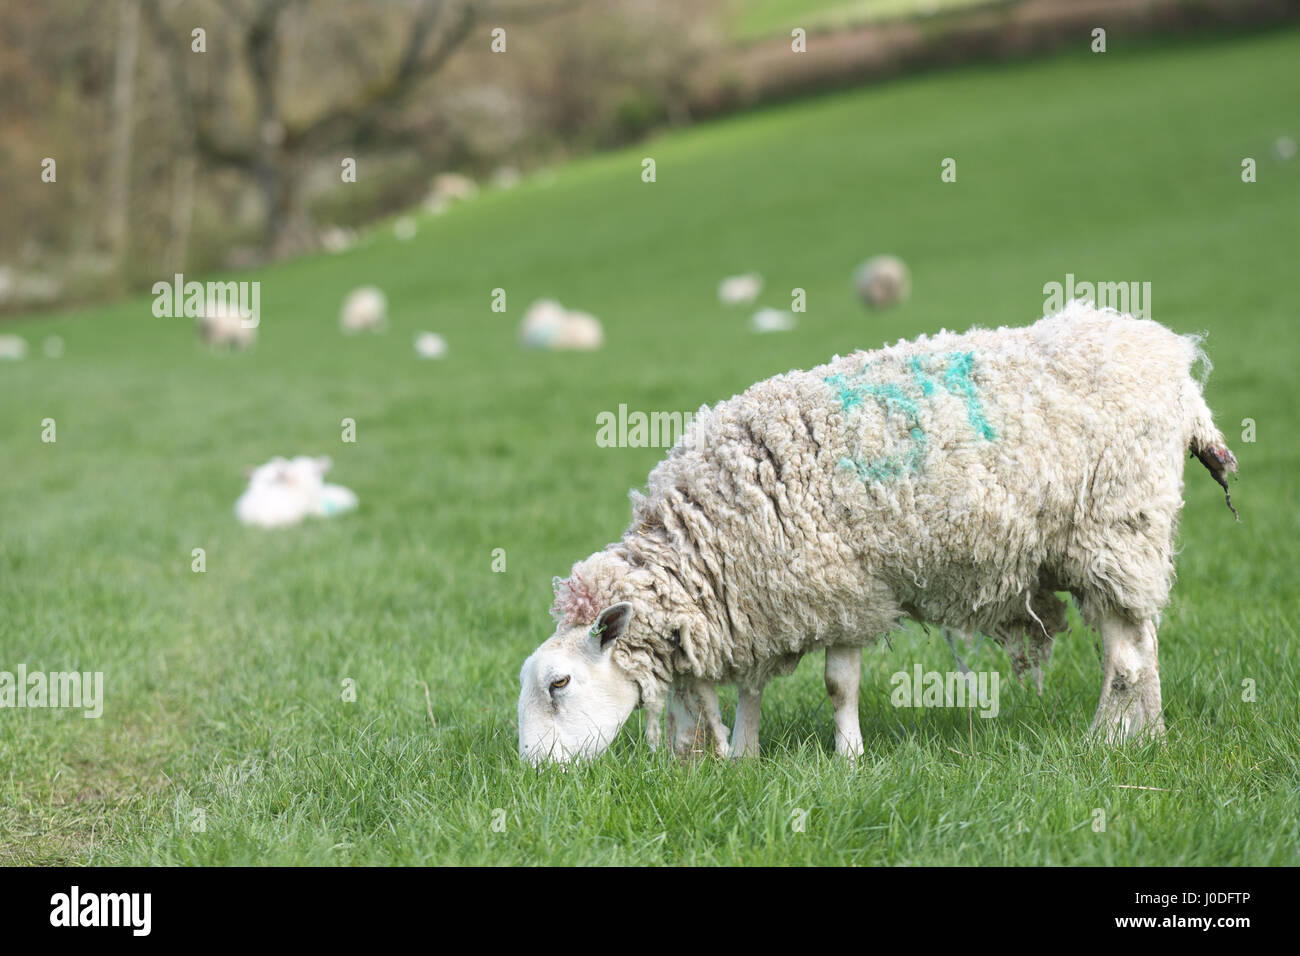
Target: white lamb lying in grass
{"points": [[284, 492], [549, 325], [958, 479]]}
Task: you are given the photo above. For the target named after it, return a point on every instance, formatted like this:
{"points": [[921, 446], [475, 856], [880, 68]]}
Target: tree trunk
{"points": [[119, 174], [268, 161]]}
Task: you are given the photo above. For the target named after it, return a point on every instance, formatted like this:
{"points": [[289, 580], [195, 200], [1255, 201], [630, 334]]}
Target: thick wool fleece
{"points": [[958, 479]]}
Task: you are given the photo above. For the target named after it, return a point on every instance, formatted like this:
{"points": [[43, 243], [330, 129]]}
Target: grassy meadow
{"points": [[225, 738]]}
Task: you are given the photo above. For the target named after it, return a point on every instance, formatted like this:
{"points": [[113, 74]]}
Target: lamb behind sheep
{"points": [[959, 479]]}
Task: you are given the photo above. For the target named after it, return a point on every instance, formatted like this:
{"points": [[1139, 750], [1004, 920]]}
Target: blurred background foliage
{"points": [[169, 159]]}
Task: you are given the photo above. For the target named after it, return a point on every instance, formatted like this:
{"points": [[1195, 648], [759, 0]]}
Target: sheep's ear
{"points": [[611, 624], [324, 463]]}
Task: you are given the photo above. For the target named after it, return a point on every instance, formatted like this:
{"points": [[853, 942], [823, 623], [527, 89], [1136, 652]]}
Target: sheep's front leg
{"points": [[694, 719], [1130, 693], [653, 712], [744, 738], [843, 675]]}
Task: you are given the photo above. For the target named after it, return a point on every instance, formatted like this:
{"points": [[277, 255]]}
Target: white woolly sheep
{"points": [[771, 320], [284, 492], [430, 345], [740, 290], [364, 310], [959, 479], [447, 188], [13, 347], [882, 281], [549, 325], [223, 326]]}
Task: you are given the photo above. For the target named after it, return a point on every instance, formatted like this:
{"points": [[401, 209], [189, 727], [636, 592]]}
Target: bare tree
{"points": [[277, 151]]}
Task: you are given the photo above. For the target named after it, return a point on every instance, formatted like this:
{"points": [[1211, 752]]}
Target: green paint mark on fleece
{"points": [[892, 397], [890, 466], [958, 381], [956, 369]]}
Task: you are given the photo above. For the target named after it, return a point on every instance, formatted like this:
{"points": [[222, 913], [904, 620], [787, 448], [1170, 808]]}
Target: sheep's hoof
{"points": [[1131, 724]]}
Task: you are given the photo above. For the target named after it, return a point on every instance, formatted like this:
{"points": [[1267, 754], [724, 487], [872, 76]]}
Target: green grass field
{"points": [[759, 19], [224, 738]]}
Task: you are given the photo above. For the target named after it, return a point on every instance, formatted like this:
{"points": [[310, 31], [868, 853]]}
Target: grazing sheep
{"points": [[13, 347], [959, 479], [771, 320], [336, 239], [364, 310], [740, 290], [284, 492], [882, 281], [430, 345], [447, 188], [454, 186], [549, 325], [223, 326]]}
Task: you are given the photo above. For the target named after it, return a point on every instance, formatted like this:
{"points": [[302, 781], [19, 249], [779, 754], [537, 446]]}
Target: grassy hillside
{"points": [[223, 688]]}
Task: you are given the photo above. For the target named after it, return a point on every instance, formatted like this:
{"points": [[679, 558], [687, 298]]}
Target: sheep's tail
{"points": [[1208, 444]]}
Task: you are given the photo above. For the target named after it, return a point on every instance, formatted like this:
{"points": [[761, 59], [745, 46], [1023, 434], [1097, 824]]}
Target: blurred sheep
{"points": [[549, 325], [283, 492], [13, 347], [883, 281], [223, 327], [430, 345], [740, 290], [364, 310]]}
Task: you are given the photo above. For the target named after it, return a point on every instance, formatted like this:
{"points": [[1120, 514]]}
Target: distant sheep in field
{"points": [[883, 281], [364, 310], [958, 479], [740, 290], [549, 325], [430, 345], [222, 326], [13, 347], [447, 188], [284, 492], [771, 320]]}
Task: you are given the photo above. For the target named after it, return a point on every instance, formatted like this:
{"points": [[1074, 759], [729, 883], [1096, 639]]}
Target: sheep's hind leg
{"points": [[843, 675], [1130, 706], [744, 738]]}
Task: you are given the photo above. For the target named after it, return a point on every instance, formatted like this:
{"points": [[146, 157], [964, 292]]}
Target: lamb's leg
{"points": [[843, 675], [694, 719], [744, 738], [1130, 693]]}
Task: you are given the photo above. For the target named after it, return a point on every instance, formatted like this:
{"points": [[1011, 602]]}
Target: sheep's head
{"points": [[302, 472], [573, 695]]}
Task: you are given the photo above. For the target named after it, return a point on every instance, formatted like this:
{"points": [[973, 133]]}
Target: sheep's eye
{"points": [[557, 684]]}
